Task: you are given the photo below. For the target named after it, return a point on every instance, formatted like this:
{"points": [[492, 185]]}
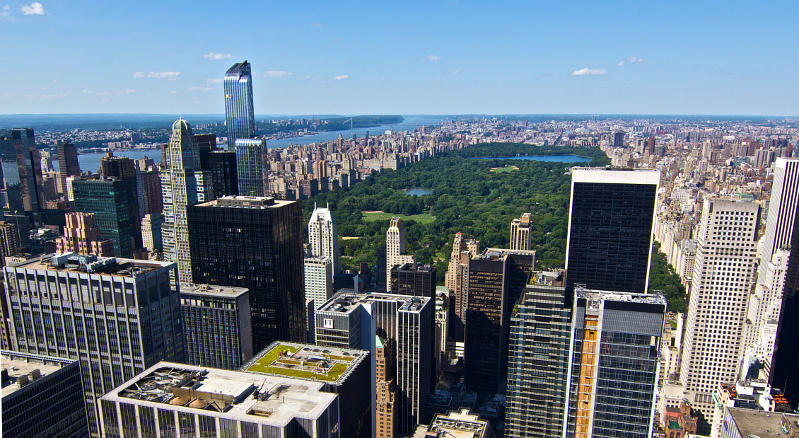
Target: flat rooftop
{"points": [[17, 368], [761, 423], [306, 361], [620, 296], [226, 394], [259, 202], [347, 301], [73, 262], [548, 278], [615, 176], [213, 290]]}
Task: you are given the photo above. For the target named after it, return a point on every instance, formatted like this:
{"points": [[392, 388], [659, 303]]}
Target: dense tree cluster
{"points": [[466, 197], [663, 278]]}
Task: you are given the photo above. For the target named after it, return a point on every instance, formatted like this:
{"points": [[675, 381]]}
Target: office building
{"points": [[67, 163], [9, 240], [386, 388], [116, 316], [724, 274], [750, 423], [82, 236], [457, 281], [224, 173], [614, 363], [458, 423], [395, 248], [239, 115], [785, 354], [414, 279], [42, 397], [183, 183], [216, 325], [117, 217], [496, 280], [610, 228], [618, 139], [153, 200], [172, 399], [351, 320], [538, 358], [520, 233], [125, 169], [250, 160], [318, 279], [323, 236], [151, 232], [254, 243], [345, 372], [22, 171]]}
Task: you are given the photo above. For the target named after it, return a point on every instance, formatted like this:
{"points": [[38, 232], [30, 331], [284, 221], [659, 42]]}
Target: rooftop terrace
{"points": [[73, 262], [306, 361]]}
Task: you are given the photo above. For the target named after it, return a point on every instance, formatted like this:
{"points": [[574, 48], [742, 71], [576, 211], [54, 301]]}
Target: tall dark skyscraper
{"points": [[117, 217], [254, 243], [610, 228], [224, 173], [22, 170], [67, 163], [250, 159], [239, 115], [414, 279]]}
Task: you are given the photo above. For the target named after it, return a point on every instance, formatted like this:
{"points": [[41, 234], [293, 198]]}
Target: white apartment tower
{"points": [[182, 183], [323, 237], [520, 237], [724, 272], [395, 248]]}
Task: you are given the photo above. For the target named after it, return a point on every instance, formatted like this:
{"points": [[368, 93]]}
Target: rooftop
{"points": [[223, 393], [615, 176], [620, 296], [346, 301], [27, 371], [547, 278], [73, 262], [306, 361], [213, 290], [761, 423], [260, 202]]}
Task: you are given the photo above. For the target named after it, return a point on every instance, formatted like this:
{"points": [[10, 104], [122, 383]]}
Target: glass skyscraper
{"points": [[249, 166], [239, 116]]}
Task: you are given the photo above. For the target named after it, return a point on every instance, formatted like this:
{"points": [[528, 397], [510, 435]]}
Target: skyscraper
{"points": [[395, 248], [115, 211], [254, 243], [724, 272], [67, 163], [538, 362], [138, 322], [458, 283], [414, 279], [614, 363], [250, 155], [318, 279], [224, 173], [323, 236], [610, 228], [520, 236], [183, 183], [82, 236], [22, 171], [239, 115]]}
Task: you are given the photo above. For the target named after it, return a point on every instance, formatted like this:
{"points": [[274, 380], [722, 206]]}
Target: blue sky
{"points": [[377, 57]]}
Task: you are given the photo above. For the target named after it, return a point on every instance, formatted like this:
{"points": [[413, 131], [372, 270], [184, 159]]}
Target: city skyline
{"points": [[451, 57]]}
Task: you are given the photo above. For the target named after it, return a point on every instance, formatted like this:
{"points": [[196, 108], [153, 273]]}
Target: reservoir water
{"points": [[550, 158]]}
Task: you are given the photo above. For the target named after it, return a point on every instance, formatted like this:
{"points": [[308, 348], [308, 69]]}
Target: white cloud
{"points": [[212, 55], [202, 88], [628, 60], [108, 93], [214, 81], [315, 25], [6, 11], [278, 73], [589, 72], [307, 77], [168, 75], [430, 58], [173, 92], [34, 8], [342, 77]]}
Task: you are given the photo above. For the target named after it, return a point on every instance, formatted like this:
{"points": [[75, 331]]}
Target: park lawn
{"points": [[372, 216], [508, 168]]}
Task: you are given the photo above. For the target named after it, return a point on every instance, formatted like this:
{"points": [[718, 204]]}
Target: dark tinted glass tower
{"points": [[249, 166], [239, 116], [786, 355], [610, 228], [115, 214], [67, 163], [22, 171], [224, 173], [254, 243], [414, 279]]}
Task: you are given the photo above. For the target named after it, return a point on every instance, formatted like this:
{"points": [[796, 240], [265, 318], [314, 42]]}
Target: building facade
{"points": [[395, 248], [67, 163], [116, 316], [109, 198], [614, 363], [520, 233], [239, 113], [414, 279], [323, 236], [254, 243], [22, 170], [183, 183], [724, 274], [82, 236], [250, 160], [318, 279], [611, 216], [217, 331]]}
